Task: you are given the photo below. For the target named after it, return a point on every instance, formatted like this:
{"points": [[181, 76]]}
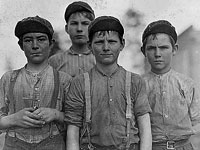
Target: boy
{"points": [[31, 98], [78, 59], [114, 112], [173, 98]]}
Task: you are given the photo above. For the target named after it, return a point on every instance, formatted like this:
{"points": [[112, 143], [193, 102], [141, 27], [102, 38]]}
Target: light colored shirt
{"points": [[72, 62], [29, 87], [175, 105], [108, 99]]}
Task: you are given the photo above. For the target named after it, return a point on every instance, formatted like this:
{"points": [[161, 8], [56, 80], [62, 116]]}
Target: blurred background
{"points": [[134, 15]]}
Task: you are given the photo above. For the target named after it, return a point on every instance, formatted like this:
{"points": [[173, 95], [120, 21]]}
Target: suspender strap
{"points": [[11, 88], [87, 97], [54, 97], [56, 89], [86, 127], [128, 107]]}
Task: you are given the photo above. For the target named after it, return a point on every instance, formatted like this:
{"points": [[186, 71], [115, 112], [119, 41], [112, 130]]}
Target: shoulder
{"points": [[136, 78], [56, 56], [7, 76], [182, 79]]}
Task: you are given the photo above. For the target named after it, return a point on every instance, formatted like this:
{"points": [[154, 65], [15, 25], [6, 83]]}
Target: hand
{"points": [[26, 118], [47, 114]]}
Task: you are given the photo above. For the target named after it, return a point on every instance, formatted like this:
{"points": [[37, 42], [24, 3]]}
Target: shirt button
{"points": [[111, 100], [36, 88], [164, 92], [166, 116]]}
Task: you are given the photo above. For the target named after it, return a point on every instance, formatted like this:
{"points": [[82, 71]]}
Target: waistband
{"points": [[133, 146], [35, 139], [171, 145]]}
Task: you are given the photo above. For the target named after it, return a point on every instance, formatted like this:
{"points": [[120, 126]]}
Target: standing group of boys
{"points": [[83, 94]]}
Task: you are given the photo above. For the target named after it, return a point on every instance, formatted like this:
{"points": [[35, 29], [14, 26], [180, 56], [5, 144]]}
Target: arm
{"points": [[72, 138], [194, 109], [145, 132]]}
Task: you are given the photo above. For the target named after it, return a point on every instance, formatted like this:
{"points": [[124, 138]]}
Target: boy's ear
{"points": [[51, 44], [122, 44], [175, 49], [90, 46], [143, 50], [66, 28], [20, 43]]}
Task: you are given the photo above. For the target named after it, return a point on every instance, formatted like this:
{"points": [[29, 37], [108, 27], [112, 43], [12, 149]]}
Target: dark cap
{"points": [[78, 6], [105, 23], [160, 26], [33, 24]]}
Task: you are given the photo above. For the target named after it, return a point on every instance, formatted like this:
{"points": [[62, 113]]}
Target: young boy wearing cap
{"points": [[108, 106], [78, 59], [31, 98], [173, 98]]}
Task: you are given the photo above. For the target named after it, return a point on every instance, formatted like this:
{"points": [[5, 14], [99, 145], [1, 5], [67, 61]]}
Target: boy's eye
{"points": [[150, 48], [112, 41], [86, 23], [98, 42], [42, 39], [27, 40]]}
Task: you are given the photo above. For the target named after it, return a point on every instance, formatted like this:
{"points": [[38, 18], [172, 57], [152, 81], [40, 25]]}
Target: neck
{"points": [[80, 49], [158, 72], [36, 68], [107, 69]]}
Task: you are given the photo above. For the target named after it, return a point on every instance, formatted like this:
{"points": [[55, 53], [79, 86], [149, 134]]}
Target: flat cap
{"points": [[160, 26], [33, 24], [77, 6], [105, 23]]}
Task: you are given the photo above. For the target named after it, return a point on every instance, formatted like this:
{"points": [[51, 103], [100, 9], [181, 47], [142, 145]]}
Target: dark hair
{"points": [[103, 32], [86, 14]]}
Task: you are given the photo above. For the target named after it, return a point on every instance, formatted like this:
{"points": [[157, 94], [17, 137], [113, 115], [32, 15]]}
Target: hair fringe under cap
{"points": [[105, 23], [160, 26], [77, 6], [33, 24]]}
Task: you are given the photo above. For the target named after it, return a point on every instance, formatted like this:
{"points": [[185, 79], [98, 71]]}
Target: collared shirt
{"points": [[175, 105], [72, 62], [108, 113], [32, 89]]}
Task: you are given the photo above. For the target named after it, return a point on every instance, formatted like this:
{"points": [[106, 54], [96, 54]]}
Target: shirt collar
{"points": [[71, 51], [161, 75], [114, 72], [36, 74]]}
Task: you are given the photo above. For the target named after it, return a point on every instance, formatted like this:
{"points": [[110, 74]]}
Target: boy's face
{"points": [[77, 28], [36, 47], [159, 52], [106, 47]]}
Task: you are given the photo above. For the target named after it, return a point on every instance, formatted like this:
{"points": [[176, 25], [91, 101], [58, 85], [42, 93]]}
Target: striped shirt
{"points": [[26, 85], [72, 62], [175, 105]]}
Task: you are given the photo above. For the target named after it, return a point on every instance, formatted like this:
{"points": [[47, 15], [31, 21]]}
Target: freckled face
{"points": [[106, 46], [36, 47]]}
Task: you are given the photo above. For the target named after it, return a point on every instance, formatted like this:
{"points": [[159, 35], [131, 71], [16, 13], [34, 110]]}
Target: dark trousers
{"points": [[51, 143], [96, 147]]}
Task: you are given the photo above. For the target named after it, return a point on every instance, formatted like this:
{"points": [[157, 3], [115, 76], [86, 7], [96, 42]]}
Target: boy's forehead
{"points": [[105, 33], [35, 34], [78, 15], [158, 36]]}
